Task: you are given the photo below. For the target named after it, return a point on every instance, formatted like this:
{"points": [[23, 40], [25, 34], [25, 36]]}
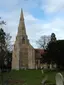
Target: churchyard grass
{"points": [[29, 77]]}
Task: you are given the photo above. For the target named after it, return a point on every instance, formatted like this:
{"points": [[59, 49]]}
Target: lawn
{"points": [[29, 77]]}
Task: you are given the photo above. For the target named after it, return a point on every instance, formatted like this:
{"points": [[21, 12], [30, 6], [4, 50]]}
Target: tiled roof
{"points": [[41, 51]]}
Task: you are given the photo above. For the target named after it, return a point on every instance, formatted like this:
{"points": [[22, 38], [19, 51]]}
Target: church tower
{"points": [[23, 53]]}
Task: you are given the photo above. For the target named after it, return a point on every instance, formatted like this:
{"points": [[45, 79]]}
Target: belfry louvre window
{"points": [[23, 40]]}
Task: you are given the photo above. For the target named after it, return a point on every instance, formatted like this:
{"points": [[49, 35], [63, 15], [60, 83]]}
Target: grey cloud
{"points": [[52, 6]]}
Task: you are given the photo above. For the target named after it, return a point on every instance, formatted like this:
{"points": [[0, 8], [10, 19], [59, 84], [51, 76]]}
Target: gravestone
{"points": [[44, 80], [42, 71], [59, 79], [45, 66], [51, 66], [55, 66], [36, 67]]}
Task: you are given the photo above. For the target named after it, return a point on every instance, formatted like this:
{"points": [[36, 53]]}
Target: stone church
{"points": [[23, 53]]}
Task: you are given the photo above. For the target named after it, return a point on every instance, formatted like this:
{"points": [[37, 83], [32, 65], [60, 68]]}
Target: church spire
{"points": [[21, 15], [21, 28]]}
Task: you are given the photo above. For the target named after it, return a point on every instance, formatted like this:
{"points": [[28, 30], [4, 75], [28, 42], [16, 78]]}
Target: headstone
{"points": [[44, 80], [45, 66], [41, 67], [36, 67], [42, 71], [51, 66], [59, 79], [55, 65]]}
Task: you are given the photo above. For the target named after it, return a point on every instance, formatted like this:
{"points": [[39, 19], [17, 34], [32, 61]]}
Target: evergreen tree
{"points": [[53, 37], [2, 47], [5, 54]]}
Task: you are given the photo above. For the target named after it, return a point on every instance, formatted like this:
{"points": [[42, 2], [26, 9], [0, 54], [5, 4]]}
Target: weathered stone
{"points": [[23, 53], [59, 79]]}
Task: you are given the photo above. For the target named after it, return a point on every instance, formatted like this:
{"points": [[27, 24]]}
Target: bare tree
{"points": [[43, 41], [8, 41]]}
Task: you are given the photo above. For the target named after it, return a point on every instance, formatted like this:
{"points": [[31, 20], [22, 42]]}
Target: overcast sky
{"points": [[42, 17]]}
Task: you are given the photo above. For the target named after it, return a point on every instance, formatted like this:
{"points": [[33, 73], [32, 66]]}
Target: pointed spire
{"points": [[21, 28], [21, 15]]}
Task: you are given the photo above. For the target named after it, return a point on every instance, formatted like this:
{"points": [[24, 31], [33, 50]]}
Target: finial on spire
{"points": [[21, 15], [21, 10]]}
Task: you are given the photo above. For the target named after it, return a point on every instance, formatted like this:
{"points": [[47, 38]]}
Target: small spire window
{"points": [[23, 40]]}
